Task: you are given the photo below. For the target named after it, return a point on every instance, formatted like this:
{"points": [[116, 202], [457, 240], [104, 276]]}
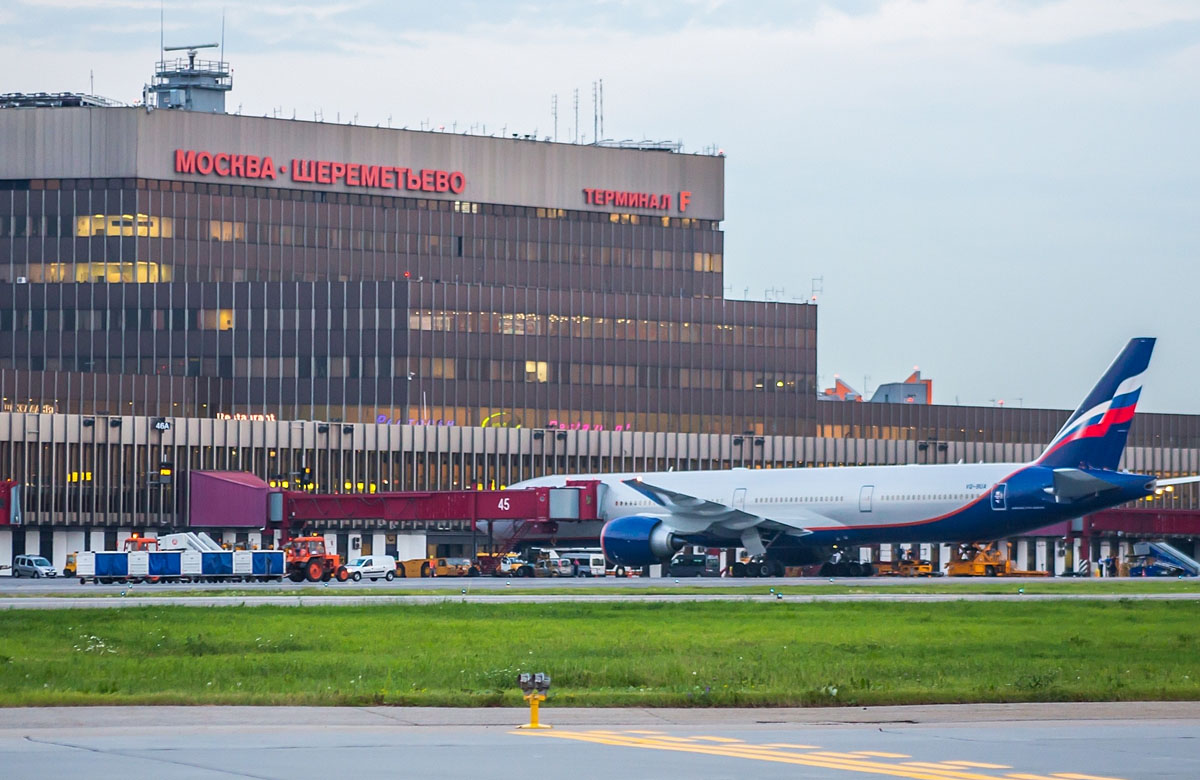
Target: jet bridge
{"points": [[242, 500]]}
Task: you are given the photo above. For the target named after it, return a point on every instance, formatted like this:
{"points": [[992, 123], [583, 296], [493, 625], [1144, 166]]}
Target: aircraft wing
{"points": [[691, 514]]}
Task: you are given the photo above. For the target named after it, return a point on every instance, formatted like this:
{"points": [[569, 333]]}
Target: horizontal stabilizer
{"points": [[1178, 481], [1070, 484]]}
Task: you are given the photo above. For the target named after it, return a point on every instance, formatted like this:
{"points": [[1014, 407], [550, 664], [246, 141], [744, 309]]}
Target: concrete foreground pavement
{"points": [[1103, 741]]}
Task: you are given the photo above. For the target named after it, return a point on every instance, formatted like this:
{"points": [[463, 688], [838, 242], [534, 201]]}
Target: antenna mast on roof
{"points": [[576, 114], [222, 54], [554, 111]]}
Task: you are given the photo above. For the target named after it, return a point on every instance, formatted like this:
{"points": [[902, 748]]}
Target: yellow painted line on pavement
{"points": [[656, 733], [754, 752], [1074, 776], [720, 739], [790, 745], [880, 754], [977, 764], [835, 754]]}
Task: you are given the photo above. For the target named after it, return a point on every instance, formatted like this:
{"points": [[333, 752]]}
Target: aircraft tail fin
{"points": [[1094, 436]]}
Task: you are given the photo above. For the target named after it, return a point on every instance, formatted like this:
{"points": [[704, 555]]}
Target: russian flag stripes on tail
{"points": [[1094, 436]]}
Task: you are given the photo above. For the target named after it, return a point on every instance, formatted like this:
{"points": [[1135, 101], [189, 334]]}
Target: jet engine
{"points": [[638, 541]]}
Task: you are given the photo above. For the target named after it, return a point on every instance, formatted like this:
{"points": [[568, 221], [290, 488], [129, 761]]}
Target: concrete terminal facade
{"points": [[401, 310]]}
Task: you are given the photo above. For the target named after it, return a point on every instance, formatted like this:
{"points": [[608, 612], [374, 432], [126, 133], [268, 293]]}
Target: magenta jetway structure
{"points": [[233, 499]]}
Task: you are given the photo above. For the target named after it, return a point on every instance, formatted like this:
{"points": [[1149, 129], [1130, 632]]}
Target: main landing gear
{"points": [[846, 569]]}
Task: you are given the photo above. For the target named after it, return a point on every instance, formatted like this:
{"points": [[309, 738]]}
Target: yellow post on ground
{"points": [[534, 700]]}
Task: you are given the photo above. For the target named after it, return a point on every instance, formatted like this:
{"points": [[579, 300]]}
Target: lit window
{"points": [[124, 225], [216, 319], [112, 273], [226, 231], [537, 371]]}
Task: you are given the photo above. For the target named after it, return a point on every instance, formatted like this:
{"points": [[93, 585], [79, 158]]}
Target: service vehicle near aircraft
{"points": [[553, 567], [588, 562], [438, 567], [373, 567], [972, 560], [33, 566], [796, 517], [549, 562], [182, 557], [307, 559], [1159, 559], [504, 565], [693, 565]]}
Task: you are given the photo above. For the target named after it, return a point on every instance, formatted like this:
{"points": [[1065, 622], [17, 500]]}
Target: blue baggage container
{"points": [[112, 564], [216, 564], [165, 564], [268, 563]]}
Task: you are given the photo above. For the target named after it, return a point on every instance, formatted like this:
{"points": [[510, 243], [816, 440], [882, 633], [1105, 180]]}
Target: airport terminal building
{"points": [[400, 310]]}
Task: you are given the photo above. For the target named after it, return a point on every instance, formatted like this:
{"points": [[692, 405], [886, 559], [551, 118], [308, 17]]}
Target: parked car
{"points": [[554, 567], [372, 567], [34, 566], [689, 565], [512, 565]]}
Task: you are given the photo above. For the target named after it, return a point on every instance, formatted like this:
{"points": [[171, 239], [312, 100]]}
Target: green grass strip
{"points": [[605, 654]]}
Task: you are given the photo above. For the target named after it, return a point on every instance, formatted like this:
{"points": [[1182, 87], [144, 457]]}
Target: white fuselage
{"points": [[842, 497]]}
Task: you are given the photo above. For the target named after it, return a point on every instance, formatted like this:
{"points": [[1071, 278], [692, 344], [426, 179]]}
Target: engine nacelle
{"points": [[638, 541]]}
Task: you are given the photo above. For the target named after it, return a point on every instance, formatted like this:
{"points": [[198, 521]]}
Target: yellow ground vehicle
{"points": [[437, 567], [503, 565], [972, 560], [69, 566], [906, 567]]}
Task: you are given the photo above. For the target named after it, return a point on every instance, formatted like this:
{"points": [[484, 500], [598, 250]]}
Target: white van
{"points": [[372, 567], [588, 563]]}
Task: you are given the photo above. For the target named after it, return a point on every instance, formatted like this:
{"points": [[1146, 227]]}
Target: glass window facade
{"points": [[188, 299]]}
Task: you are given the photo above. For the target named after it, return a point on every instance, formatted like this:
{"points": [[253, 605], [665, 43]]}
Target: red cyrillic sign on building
{"points": [[635, 200], [384, 177]]}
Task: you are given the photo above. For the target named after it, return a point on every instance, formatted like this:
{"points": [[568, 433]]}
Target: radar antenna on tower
{"points": [[192, 84]]}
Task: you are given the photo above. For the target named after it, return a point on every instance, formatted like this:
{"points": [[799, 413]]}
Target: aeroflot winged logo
{"points": [[1100, 419], [375, 177]]}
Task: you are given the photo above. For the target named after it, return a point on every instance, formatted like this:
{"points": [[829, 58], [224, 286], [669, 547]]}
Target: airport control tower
{"points": [[191, 84]]}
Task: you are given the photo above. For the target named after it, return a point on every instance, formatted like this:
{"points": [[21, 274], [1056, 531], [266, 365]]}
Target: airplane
{"points": [[797, 516]]}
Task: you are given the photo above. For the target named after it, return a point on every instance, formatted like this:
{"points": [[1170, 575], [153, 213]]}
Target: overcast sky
{"points": [[999, 192]]}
